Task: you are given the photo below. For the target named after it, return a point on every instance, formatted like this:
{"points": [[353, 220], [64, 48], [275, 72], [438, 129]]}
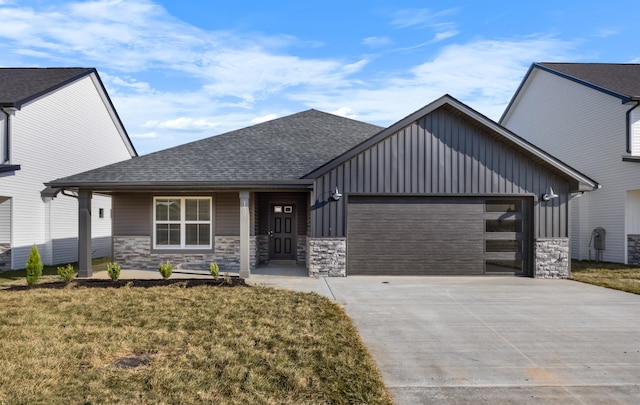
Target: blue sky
{"points": [[178, 71]]}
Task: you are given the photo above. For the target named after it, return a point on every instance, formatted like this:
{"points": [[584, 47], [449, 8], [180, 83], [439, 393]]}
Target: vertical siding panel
{"points": [[455, 148], [381, 169], [366, 187], [482, 158], [434, 154], [360, 173], [421, 177], [402, 155], [339, 224], [407, 159], [394, 164], [442, 158], [414, 158], [326, 208]]}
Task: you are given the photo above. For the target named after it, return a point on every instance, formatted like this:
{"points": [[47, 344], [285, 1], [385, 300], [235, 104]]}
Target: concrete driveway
{"points": [[495, 340]]}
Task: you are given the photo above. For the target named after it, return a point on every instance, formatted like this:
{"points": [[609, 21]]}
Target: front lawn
{"points": [[610, 275], [179, 345]]}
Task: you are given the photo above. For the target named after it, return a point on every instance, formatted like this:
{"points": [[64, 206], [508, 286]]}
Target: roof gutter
{"points": [[176, 186], [637, 101]]}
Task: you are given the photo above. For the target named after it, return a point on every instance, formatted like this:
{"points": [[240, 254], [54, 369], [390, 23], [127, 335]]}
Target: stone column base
{"points": [[551, 258], [633, 249], [327, 257]]}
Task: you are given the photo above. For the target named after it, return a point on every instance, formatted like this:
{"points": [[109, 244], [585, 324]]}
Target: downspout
{"points": [[5, 152], [629, 124]]}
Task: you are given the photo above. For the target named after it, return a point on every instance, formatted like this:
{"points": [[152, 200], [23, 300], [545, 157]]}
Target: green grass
{"points": [[610, 275], [240, 345], [50, 273]]}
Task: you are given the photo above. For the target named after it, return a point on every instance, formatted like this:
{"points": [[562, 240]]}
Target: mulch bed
{"points": [[92, 283]]}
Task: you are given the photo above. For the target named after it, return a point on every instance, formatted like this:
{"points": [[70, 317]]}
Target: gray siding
{"points": [[441, 154], [132, 214], [227, 214], [5, 220]]}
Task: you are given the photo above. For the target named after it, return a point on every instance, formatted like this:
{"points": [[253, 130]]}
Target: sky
{"points": [[179, 71]]}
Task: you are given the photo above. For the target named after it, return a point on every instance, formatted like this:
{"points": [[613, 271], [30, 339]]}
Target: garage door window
{"points": [[505, 236]]}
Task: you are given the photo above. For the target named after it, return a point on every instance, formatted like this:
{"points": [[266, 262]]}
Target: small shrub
{"points": [[214, 269], [227, 278], [67, 273], [34, 266], [113, 269], [165, 270]]}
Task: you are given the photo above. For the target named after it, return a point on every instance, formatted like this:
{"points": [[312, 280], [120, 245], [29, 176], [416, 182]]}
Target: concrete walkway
{"points": [[488, 340]]}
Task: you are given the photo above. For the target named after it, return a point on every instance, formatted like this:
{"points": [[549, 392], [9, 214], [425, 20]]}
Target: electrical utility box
{"points": [[598, 238]]}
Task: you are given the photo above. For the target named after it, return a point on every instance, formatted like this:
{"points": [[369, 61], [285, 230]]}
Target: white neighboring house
{"points": [[588, 115], [54, 122]]}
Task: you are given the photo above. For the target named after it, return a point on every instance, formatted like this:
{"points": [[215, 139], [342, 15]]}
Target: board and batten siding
{"points": [[64, 132], [586, 129], [440, 154]]}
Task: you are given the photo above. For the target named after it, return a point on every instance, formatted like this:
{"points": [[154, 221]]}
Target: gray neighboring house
{"points": [[443, 191]]}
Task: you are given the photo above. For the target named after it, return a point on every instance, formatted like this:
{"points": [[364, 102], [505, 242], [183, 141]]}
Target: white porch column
{"points": [[245, 216], [84, 233]]}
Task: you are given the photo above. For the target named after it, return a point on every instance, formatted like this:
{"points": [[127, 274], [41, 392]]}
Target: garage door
{"points": [[434, 236]]}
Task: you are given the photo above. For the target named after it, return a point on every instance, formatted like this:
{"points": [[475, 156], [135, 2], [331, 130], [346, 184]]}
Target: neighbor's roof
{"points": [[20, 85], [280, 151], [622, 79]]}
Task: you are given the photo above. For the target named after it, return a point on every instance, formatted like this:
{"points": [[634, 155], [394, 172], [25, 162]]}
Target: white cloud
{"points": [[377, 42], [440, 36], [606, 32], [420, 17], [173, 83], [345, 112], [146, 135], [264, 118], [460, 70], [183, 123]]}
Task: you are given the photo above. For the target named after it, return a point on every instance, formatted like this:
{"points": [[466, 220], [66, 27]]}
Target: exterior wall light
{"points": [[549, 194], [336, 196]]}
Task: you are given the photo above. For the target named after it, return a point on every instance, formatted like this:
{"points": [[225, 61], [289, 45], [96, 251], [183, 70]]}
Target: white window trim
{"points": [[183, 222]]}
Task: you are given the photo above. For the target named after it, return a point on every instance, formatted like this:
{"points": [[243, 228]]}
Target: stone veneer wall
{"points": [[551, 258], [134, 252], [262, 249], [5, 256], [633, 246], [327, 257], [262, 253], [301, 249]]}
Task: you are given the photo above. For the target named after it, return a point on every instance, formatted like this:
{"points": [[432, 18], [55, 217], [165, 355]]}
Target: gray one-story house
{"points": [[444, 191]]}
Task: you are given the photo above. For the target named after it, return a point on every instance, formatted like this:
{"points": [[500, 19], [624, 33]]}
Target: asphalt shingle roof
{"points": [[621, 78], [19, 85], [283, 149]]}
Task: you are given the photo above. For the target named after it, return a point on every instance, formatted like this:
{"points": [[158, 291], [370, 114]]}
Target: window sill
{"points": [[629, 158], [181, 251], [9, 168]]}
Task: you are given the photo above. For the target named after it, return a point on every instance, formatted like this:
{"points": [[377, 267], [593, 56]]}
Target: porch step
{"points": [[282, 263]]}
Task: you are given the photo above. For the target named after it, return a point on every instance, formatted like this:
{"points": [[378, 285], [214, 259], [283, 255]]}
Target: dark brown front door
{"points": [[282, 233]]}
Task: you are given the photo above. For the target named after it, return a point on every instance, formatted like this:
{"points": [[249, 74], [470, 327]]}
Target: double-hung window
{"points": [[182, 222]]}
